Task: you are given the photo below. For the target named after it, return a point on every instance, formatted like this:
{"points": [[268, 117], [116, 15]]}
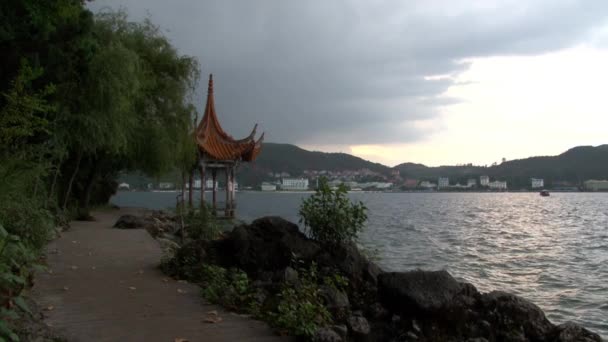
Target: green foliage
{"points": [[330, 217], [301, 311], [226, 287], [200, 224], [16, 259]]}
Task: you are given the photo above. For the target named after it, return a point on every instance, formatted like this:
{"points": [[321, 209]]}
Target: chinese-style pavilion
{"points": [[219, 151]]}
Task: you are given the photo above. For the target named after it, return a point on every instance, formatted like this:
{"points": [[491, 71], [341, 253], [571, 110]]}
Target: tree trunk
{"points": [[85, 197], [190, 188], [69, 190], [52, 190]]}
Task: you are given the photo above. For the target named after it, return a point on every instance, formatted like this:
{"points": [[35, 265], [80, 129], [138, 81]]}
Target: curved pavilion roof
{"points": [[214, 143]]}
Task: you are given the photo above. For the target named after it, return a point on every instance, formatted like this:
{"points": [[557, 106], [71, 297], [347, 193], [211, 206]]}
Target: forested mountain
{"points": [[294, 160], [573, 166]]}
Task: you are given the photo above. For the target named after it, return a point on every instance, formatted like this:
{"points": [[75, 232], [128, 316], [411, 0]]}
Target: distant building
{"points": [[427, 185], [294, 184], [484, 181], [443, 182], [498, 185], [269, 187], [537, 183], [471, 183], [410, 183], [197, 184], [596, 185], [395, 173], [165, 185], [209, 184]]}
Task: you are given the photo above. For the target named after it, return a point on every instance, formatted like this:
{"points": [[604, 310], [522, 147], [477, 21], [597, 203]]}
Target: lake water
{"points": [[550, 250]]}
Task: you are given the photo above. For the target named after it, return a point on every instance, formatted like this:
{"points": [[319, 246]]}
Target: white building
{"points": [[427, 185], [269, 187], [484, 180], [443, 182], [596, 185], [537, 183], [294, 184], [498, 185], [165, 185], [471, 182], [209, 184]]}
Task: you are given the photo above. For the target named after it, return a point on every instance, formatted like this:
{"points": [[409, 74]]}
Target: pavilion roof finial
{"points": [[210, 89]]}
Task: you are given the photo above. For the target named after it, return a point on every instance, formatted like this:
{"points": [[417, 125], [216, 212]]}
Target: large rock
{"points": [[514, 318], [131, 222], [326, 335], [267, 244], [417, 292], [349, 261], [572, 332]]}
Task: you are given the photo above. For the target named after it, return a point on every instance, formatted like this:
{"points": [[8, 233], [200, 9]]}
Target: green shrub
{"points": [[16, 260], [330, 217], [201, 225], [226, 287], [301, 311]]}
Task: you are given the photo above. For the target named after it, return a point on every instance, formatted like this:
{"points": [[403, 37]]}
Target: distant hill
{"points": [[573, 166], [294, 160]]}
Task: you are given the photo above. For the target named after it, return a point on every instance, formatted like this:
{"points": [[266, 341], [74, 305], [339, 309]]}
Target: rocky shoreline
{"points": [[374, 305]]}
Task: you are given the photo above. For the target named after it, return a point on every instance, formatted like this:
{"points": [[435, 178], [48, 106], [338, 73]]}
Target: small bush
{"points": [[201, 225], [226, 287], [330, 217], [301, 311]]}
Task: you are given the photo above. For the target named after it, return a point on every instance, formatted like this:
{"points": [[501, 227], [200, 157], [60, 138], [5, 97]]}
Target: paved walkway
{"points": [[103, 285]]}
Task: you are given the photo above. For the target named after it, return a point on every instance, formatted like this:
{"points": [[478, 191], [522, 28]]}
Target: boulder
{"points": [[514, 318], [350, 262], [326, 335], [572, 332], [417, 292], [358, 326], [268, 244], [333, 298], [131, 222]]}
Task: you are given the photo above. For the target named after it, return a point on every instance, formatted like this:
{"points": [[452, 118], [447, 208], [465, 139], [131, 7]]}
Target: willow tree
{"points": [[135, 109]]}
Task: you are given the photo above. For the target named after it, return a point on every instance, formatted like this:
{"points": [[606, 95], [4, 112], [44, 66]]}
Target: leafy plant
{"points": [[330, 217], [226, 287], [16, 260], [301, 310], [201, 224]]}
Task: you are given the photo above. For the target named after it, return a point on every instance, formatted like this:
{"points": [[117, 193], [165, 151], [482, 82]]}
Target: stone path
{"points": [[103, 285]]}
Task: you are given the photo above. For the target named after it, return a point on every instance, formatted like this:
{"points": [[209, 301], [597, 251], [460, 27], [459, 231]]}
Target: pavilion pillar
{"points": [[232, 193], [214, 187], [190, 187], [228, 192], [202, 169]]}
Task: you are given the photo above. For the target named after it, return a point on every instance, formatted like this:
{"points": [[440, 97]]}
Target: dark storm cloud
{"points": [[349, 72]]}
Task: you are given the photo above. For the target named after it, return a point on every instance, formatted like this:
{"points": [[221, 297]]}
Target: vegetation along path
{"points": [[103, 285]]}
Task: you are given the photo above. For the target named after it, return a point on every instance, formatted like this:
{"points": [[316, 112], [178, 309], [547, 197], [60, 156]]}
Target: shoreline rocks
{"points": [[376, 305]]}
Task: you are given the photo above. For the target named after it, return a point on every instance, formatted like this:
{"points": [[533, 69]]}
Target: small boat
{"points": [[544, 193]]}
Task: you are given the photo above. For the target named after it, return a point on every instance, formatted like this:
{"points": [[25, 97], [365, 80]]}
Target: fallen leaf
{"points": [[165, 279], [181, 291], [49, 308], [74, 241], [212, 312], [132, 288], [65, 288], [213, 320]]}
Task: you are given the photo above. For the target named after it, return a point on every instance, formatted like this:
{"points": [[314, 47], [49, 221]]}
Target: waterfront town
{"points": [[367, 180]]}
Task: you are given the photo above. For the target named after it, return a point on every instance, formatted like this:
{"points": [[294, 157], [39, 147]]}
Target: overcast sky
{"points": [[435, 82]]}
